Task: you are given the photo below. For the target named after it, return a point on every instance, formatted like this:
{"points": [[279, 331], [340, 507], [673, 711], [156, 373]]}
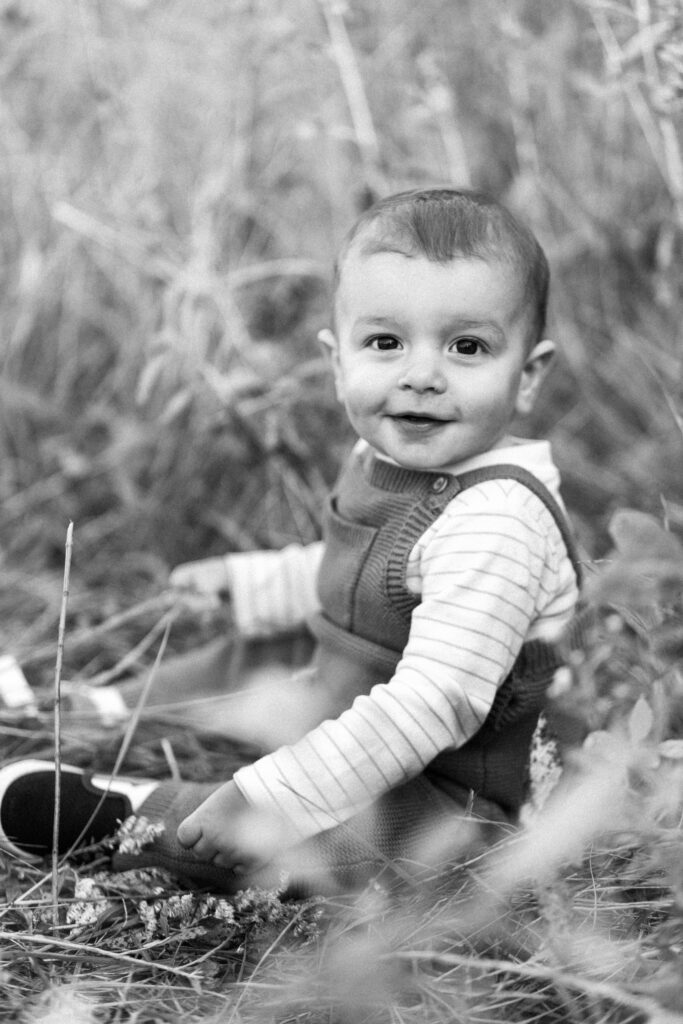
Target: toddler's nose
{"points": [[422, 374]]}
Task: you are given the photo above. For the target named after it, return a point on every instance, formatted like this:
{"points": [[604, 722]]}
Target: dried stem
{"points": [[599, 990], [657, 126], [131, 657], [167, 621], [161, 601], [17, 941], [58, 725], [354, 89], [442, 103], [171, 760]]}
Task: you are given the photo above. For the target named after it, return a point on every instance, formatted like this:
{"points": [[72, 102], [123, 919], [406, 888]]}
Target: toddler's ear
{"points": [[330, 346], [536, 366], [327, 340]]}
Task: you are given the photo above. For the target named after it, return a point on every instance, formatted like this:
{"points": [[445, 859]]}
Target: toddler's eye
{"points": [[384, 342], [467, 346]]}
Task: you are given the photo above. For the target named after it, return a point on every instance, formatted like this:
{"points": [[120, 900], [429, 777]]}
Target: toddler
{"points": [[436, 599]]}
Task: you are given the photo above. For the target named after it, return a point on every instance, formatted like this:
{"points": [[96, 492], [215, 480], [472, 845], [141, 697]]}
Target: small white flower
{"points": [[90, 904], [149, 915], [137, 832]]}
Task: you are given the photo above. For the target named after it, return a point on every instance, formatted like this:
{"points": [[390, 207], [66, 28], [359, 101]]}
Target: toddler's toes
{"points": [[190, 833], [206, 851]]}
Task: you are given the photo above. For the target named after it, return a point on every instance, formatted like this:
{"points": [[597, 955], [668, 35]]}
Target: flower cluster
{"points": [[191, 913], [545, 769], [90, 903], [137, 832]]}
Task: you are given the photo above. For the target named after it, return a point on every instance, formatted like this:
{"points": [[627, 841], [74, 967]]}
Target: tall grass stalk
{"points": [[58, 728]]}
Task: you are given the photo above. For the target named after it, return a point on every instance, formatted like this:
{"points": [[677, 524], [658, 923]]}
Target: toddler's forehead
{"points": [[363, 249]]}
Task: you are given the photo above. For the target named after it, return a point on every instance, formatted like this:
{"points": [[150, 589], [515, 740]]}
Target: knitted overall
{"points": [[375, 516]]}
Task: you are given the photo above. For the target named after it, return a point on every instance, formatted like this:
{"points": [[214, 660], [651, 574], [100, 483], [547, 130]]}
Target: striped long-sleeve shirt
{"points": [[491, 572]]}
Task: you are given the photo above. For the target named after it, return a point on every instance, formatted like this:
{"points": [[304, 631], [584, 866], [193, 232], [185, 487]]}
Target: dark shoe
{"points": [[91, 807]]}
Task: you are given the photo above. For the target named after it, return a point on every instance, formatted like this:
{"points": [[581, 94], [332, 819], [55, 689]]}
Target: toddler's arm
{"points": [[270, 591]]}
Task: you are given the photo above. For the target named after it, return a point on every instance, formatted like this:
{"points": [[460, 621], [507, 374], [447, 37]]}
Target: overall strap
{"points": [[506, 471]]}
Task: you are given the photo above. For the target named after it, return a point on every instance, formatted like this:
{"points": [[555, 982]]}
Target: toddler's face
{"points": [[430, 359]]}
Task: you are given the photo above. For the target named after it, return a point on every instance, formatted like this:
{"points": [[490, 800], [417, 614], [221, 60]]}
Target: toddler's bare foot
{"points": [[227, 831]]}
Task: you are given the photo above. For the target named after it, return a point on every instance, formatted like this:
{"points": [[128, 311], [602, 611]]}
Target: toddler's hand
{"points": [[206, 579]]}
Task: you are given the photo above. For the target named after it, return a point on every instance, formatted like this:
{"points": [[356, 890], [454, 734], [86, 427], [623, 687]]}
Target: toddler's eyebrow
{"points": [[376, 321], [477, 325]]}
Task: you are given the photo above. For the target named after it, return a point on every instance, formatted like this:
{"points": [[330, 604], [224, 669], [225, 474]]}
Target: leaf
{"points": [[640, 536], [640, 721], [672, 750]]}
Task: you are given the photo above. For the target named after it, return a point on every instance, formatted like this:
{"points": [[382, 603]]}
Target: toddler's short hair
{"points": [[443, 224]]}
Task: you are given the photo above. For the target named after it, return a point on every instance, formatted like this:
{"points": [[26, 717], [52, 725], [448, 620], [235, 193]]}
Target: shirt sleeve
{"points": [[487, 569], [274, 591]]}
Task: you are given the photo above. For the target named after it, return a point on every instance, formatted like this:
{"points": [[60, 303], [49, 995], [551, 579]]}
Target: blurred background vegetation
{"points": [[174, 181]]}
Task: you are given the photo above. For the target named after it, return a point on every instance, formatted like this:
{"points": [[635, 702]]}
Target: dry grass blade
{"points": [[354, 89], [46, 944], [131, 659], [557, 978], [58, 728], [41, 652]]}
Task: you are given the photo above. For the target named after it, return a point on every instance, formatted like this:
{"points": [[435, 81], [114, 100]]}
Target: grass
{"points": [[174, 184]]}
